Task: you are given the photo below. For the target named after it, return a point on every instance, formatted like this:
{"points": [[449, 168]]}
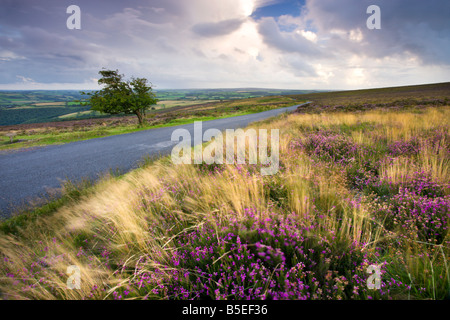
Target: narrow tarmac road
{"points": [[29, 174]]}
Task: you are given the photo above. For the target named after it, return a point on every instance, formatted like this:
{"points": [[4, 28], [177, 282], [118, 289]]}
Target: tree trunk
{"points": [[140, 117]]}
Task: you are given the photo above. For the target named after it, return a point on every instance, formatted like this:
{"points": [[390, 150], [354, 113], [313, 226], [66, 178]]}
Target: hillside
{"points": [[394, 97], [364, 185]]}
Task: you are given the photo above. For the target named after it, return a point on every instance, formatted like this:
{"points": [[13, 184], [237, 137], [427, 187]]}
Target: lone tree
{"points": [[133, 96]]}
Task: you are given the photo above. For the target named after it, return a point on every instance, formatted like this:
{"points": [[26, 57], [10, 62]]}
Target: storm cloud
{"points": [[214, 29]]}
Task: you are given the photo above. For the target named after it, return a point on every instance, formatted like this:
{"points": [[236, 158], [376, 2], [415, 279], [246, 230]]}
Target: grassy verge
{"points": [[23, 217], [69, 194], [353, 190]]}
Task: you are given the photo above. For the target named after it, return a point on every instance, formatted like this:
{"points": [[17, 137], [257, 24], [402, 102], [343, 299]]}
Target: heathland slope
{"points": [[356, 191]]}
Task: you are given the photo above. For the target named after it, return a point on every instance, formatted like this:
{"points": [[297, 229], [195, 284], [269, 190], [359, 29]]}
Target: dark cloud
{"points": [[35, 42], [284, 41], [215, 29], [408, 28], [299, 66]]}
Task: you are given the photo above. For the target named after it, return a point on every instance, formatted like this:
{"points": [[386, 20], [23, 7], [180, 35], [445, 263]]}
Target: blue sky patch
{"points": [[284, 7]]}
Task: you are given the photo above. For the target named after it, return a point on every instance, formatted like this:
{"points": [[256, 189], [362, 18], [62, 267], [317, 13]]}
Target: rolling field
{"points": [[19, 107], [364, 181]]}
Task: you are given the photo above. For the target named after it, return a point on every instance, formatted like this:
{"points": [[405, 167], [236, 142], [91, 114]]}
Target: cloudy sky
{"points": [[291, 44]]}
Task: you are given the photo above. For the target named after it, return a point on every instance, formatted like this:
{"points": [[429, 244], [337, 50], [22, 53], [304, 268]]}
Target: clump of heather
{"points": [[426, 218], [404, 148], [259, 256], [418, 210], [361, 163], [363, 175], [329, 146], [421, 183], [437, 140], [211, 168]]}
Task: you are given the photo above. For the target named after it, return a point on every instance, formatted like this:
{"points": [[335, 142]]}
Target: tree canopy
{"points": [[133, 96]]}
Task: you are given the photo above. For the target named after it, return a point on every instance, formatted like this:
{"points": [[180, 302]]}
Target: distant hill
{"points": [[404, 95]]}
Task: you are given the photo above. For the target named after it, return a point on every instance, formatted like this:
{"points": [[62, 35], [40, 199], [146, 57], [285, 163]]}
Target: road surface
{"points": [[27, 175]]}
